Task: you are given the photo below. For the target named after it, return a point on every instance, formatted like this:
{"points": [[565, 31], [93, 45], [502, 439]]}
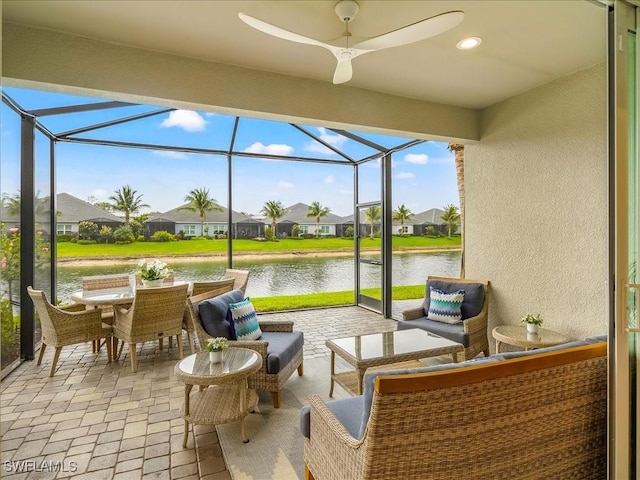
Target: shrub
{"points": [[86, 242], [87, 230], [308, 235], [295, 231], [63, 237], [162, 236], [430, 231], [348, 232], [123, 235], [105, 235], [268, 233]]}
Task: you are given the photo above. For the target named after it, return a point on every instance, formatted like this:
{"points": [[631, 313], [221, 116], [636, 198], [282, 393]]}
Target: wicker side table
{"points": [[518, 337], [223, 396]]}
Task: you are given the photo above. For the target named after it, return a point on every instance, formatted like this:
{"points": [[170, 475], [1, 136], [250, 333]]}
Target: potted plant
{"points": [[215, 347], [533, 322], [152, 272]]}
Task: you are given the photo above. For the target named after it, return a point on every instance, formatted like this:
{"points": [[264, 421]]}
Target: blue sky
{"points": [[423, 176]]}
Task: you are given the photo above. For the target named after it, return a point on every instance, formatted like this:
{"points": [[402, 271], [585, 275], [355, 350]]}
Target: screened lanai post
{"points": [[458, 149]]}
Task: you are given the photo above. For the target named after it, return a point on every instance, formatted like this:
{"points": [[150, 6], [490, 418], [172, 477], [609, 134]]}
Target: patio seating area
{"points": [[100, 420]]}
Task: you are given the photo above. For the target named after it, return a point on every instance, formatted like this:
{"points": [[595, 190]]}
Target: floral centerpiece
{"points": [[533, 322], [152, 271], [215, 347]]}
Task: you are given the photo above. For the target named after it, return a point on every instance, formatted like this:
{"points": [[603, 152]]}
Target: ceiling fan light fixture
{"points": [[469, 43]]}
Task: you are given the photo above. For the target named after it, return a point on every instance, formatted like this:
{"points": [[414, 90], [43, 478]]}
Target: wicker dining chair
{"points": [[219, 286], [94, 283], [241, 278], [67, 326], [155, 313], [215, 287], [277, 341]]}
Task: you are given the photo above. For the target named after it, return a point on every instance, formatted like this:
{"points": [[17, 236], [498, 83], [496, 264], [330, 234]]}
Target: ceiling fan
{"points": [[344, 53]]}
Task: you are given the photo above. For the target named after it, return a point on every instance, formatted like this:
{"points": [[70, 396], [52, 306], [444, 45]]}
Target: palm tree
{"points": [[373, 214], [318, 211], [458, 149], [450, 216], [274, 210], [402, 214], [199, 201], [125, 200]]}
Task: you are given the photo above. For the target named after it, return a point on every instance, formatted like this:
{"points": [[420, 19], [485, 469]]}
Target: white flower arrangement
{"points": [[217, 344], [152, 269], [532, 319]]}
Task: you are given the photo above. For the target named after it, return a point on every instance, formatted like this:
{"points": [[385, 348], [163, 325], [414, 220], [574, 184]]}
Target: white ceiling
{"points": [[525, 43]]}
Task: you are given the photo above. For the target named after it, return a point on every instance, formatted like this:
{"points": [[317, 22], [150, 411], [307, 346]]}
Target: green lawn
{"points": [[329, 299], [202, 246]]}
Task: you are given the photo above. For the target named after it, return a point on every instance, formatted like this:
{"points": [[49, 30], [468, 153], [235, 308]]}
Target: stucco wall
{"points": [[536, 206]]}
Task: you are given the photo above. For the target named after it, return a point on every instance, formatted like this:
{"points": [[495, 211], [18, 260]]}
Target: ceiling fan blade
{"points": [[415, 32], [281, 32], [344, 71]]}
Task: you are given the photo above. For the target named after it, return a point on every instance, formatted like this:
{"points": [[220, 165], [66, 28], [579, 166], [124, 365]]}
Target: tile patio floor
{"points": [[105, 422]]}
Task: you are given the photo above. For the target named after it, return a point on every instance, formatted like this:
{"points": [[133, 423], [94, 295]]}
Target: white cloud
{"points": [[333, 139], [272, 149], [188, 120], [170, 154], [405, 175], [417, 158], [99, 193], [285, 185], [329, 179]]}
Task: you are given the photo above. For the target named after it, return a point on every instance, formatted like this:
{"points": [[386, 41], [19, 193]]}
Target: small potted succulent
{"points": [[533, 322], [215, 347]]}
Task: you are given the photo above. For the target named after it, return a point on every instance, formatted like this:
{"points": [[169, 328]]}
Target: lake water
{"points": [[274, 277]]}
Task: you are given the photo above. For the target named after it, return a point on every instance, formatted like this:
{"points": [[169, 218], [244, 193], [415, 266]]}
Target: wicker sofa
{"points": [[526, 415]]}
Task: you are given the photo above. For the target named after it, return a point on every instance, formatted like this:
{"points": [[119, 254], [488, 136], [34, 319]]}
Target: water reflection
{"points": [[274, 277]]}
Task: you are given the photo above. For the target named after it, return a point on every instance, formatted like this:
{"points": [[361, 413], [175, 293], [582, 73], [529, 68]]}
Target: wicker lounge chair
{"points": [[540, 414], [68, 326], [155, 313], [472, 331], [215, 287], [278, 342]]}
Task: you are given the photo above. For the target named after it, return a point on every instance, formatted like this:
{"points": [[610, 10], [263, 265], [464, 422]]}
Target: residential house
{"points": [[297, 214], [188, 222]]}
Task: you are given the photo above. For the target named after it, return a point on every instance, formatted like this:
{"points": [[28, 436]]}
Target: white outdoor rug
{"points": [[275, 450]]}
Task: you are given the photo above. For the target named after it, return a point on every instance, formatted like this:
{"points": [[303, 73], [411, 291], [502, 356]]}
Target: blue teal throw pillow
{"points": [[445, 307], [244, 319]]}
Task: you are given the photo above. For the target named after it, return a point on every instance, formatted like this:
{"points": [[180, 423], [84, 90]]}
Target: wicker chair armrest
{"points": [[413, 313], [276, 325], [323, 418], [473, 324]]}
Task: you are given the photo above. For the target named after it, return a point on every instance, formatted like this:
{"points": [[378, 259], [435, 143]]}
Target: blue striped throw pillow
{"points": [[245, 321], [445, 307]]}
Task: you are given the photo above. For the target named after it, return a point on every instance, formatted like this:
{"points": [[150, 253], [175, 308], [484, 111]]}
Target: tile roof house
{"points": [[297, 214], [72, 210]]}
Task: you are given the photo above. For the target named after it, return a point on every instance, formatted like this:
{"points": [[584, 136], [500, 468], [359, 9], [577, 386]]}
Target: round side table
{"points": [[517, 336], [223, 396]]}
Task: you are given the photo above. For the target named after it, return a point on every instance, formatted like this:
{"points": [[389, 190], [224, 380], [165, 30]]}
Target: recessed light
{"points": [[469, 43]]}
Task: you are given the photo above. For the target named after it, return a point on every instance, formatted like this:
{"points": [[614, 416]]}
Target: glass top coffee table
{"points": [[365, 351]]}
